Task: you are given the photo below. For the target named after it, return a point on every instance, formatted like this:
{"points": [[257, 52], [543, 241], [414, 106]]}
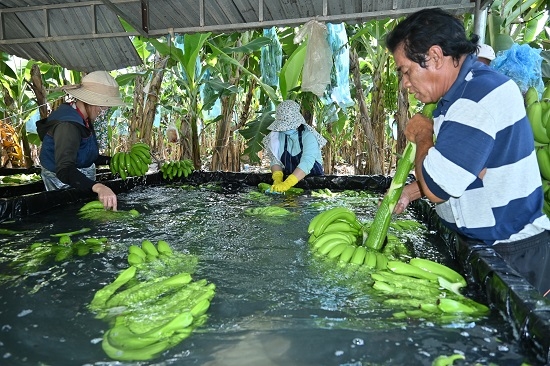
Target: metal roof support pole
{"points": [[145, 15], [46, 23], [480, 22], [201, 13], [260, 10], [94, 20]]}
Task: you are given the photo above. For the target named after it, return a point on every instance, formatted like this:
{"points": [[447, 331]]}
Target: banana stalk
{"points": [[379, 228], [381, 223]]}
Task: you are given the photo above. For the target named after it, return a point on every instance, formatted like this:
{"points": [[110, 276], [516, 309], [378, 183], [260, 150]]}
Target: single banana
{"points": [[149, 248], [200, 308], [337, 250], [113, 164], [531, 96], [439, 270], [545, 115], [346, 255], [543, 160], [410, 270], [381, 261], [134, 259], [92, 205], [447, 305], [358, 256], [164, 248], [534, 114], [546, 92], [370, 259], [134, 249], [313, 222]]}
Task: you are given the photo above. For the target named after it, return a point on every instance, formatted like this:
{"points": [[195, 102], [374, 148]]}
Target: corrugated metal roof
{"points": [[88, 35]]}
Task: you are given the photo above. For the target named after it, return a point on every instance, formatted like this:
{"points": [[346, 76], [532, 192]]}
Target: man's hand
{"points": [[106, 196], [419, 129], [411, 192]]}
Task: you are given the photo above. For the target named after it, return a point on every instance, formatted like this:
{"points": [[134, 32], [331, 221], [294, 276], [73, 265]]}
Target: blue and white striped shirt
{"points": [[481, 123]]}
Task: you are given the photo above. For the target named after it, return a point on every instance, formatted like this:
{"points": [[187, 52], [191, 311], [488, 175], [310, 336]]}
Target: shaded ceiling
{"points": [[88, 35]]}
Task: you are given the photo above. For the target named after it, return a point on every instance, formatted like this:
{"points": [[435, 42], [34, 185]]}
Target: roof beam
{"points": [[144, 29], [261, 23]]}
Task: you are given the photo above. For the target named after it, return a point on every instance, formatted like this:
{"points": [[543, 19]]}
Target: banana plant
{"points": [[240, 69], [368, 43], [17, 106], [519, 21]]}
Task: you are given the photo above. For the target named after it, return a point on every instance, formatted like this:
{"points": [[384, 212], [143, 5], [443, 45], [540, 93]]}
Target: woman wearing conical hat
{"points": [[70, 152], [294, 147]]}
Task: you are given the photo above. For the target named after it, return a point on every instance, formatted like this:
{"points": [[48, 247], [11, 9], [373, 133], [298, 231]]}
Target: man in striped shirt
{"points": [[477, 160]]}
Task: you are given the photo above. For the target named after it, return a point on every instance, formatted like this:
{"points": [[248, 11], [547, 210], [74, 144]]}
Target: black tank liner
{"points": [[525, 309]]}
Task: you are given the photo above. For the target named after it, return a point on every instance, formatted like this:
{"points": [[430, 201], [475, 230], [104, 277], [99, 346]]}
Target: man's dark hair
{"points": [[428, 27]]}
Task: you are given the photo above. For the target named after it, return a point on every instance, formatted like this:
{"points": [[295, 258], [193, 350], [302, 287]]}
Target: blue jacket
{"points": [[68, 143]]}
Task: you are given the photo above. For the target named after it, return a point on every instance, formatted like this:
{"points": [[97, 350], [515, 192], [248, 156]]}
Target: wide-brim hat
{"points": [[287, 117], [96, 88]]}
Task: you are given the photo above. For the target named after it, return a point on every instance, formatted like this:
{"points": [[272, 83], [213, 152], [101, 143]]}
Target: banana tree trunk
{"points": [[378, 122], [367, 150], [141, 124], [37, 85], [222, 157]]}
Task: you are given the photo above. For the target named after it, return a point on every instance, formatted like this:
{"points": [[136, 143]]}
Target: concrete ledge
{"points": [[527, 311]]}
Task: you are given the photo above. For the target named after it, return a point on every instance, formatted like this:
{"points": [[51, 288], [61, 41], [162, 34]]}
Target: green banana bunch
{"points": [[267, 211], [148, 252], [263, 187], [94, 210], [323, 193], [63, 249], [151, 315], [337, 234], [176, 169], [134, 163], [426, 289]]}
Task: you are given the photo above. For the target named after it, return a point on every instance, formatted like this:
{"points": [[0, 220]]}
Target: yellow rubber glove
{"points": [[277, 176], [284, 186]]}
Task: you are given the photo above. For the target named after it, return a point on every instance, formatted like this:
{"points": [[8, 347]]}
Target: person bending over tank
{"points": [[481, 171], [70, 152], [293, 147]]}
